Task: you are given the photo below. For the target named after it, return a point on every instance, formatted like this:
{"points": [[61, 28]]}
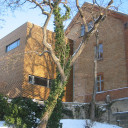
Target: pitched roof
{"points": [[87, 6]]}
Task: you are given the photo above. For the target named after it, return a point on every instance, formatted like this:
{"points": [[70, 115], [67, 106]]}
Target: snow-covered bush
{"points": [[23, 113]]}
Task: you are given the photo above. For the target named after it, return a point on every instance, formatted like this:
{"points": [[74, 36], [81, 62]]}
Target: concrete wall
{"points": [[116, 114]]}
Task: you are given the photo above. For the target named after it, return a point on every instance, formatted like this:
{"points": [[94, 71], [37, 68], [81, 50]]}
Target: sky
{"points": [[13, 20]]}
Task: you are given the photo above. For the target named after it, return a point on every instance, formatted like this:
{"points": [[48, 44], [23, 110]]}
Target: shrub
{"points": [[23, 113], [99, 111], [3, 106]]}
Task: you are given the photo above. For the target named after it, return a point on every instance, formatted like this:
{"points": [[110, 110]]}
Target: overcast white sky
{"points": [[20, 16]]}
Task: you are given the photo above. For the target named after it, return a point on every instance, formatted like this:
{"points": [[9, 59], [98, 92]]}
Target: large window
{"points": [[100, 83], [39, 81], [12, 45], [99, 51]]}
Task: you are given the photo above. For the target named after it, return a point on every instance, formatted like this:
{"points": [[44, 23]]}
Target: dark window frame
{"points": [[35, 80], [13, 45]]}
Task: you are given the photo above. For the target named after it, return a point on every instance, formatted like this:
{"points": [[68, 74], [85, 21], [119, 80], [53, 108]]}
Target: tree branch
{"points": [[44, 52], [82, 15], [87, 34], [49, 47], [39, 5]]}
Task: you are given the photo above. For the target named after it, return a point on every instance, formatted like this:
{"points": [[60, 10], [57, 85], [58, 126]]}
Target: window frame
{"points": [[89, 25], [33, 81], [101, 83], [11, 47], [99, 52], [82, 31]]}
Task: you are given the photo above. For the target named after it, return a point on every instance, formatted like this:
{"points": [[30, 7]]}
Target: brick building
{"points": [[112, 57], [22, 71]]}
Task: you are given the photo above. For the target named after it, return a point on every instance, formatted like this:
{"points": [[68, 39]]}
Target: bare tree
{"points": [[87, 35], [47, 7]]}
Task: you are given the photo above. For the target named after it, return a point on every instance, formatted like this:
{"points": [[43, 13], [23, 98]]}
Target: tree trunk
{"points": [[51, 105], [92, 115], [48, 112]]}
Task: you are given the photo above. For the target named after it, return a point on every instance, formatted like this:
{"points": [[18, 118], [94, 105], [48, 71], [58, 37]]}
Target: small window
{"points": [[12, 45], [126, 25], [100, 83], [82, 30], [90, 26], [39, 81], [99, 51]]}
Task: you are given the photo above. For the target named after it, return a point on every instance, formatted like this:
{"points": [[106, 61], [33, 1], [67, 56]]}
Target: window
{"points": [[82, 30], [100, 83], [39, 81], [12, 45], [99, 51], [90, 26], [126, 25]]}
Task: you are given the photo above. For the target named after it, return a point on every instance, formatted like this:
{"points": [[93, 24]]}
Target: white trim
{"points": [[99, 81], [109, 90]]}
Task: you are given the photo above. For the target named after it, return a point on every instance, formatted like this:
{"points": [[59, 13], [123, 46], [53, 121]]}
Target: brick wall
{"points": [[11, 63], [17, 64], [112, 66], [41, 66], [114, 94]]}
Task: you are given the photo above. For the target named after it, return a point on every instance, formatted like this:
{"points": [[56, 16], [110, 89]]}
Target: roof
{"points": [[88, 6]]}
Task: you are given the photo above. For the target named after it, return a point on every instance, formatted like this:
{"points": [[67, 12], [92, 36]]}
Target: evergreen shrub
{"points": [[3, 106], [23, 113]]}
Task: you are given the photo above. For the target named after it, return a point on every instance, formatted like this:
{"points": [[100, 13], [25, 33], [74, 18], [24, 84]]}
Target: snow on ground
{"points": [[73, 123]]}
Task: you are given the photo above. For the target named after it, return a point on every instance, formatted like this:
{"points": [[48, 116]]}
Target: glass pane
{"points": [[82, 30], [31, 79], [98, 78], [101, 48], [50, 83], [40, 81], [90, 25], [98, 88], [100, 83], [102, 86], [100, 51], [13, 45]]}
